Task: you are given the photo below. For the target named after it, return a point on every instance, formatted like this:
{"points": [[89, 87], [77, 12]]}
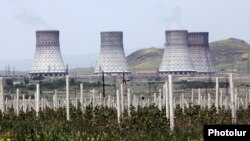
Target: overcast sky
{"points": [[142, 21]]}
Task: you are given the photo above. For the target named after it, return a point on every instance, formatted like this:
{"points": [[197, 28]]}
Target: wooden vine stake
{"points": [[232, 98], [67, 97], [171, 102], [37, 99]]}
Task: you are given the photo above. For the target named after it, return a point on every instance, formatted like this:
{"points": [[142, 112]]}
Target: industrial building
{"points": [[176, 58], [47, 60], [112, 58], [186, 53], [199, 52]]}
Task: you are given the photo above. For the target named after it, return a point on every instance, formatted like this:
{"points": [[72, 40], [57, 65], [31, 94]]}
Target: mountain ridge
{"points": [[229, 54]]}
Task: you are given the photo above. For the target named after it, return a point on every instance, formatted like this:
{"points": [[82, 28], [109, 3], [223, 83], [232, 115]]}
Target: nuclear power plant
{"points": [[112, 58], [186, 53], [47, 60]]}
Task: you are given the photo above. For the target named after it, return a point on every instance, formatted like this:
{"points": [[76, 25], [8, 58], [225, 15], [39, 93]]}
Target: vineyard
{"points": [[166, 114], [100, 123]]}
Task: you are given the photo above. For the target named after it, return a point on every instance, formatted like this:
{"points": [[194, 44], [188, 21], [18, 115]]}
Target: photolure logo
{"points": [[215, 132]]}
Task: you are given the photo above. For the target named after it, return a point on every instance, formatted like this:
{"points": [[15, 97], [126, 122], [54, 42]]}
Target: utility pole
{"points": [[124, 79], [8, 70], [103, 85], [13, 71]]}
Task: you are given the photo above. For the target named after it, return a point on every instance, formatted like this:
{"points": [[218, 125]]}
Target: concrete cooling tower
{"points": [[112, 57], [199, 52], [47, 60], [176, 58]]}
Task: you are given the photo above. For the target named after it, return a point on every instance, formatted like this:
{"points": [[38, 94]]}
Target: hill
{"points": [[231, 55], [145, 59], [228, 55]]}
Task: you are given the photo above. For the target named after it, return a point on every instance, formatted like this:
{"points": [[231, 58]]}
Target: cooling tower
{"points": [[176, 59], [199, 52], [112, 57], [47, 60]]}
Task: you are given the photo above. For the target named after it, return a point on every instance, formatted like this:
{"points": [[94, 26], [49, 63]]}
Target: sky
{"points": [[143, 22]]}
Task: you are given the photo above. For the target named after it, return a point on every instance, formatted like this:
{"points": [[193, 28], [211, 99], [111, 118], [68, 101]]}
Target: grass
{"points": [[151, 64]]}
